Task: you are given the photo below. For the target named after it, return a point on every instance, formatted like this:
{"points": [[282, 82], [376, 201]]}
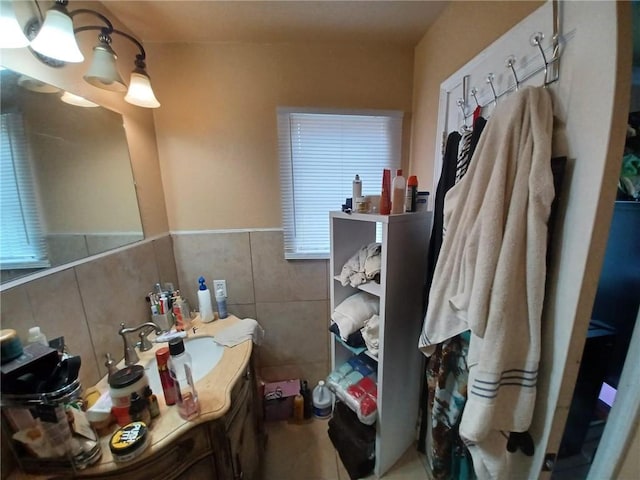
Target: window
{"points": [[21, 244], [320, 154]]}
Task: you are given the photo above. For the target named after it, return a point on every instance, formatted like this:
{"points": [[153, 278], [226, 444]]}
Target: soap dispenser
{"points": [[204, 302]]}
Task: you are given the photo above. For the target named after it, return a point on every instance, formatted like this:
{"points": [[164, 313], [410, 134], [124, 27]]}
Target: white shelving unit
{"points": [[405, 241]]}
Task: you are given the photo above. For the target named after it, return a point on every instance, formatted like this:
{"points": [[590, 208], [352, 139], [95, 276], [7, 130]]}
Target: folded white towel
{"points": [[247, 329], [363, 266], [354, 311], [371, 333]]}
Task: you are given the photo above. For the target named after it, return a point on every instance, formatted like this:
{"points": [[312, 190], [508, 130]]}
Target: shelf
{"points": [[376, 217], [355, 350], [370, 287]]}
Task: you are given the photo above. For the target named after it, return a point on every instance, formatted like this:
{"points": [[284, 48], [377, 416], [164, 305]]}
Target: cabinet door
{"points": [[244, 439], [202, 469], [171, 462]]}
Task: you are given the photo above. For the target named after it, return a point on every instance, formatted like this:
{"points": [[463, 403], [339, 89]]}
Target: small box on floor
{"points": [[278, 399]]}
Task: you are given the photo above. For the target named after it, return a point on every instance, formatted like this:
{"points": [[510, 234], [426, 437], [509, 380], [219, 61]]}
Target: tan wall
{"points": [[217, 133], [463, 30]]}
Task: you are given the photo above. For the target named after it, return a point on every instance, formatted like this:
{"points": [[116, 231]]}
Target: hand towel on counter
{"points": [[352, 314], [247, 329]]}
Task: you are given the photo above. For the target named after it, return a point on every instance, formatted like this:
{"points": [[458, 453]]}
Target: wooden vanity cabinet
{"points": [[244, 430], [228, 448]]}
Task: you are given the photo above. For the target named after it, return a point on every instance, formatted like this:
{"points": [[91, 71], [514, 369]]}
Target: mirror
{"points": [[72, 193]]}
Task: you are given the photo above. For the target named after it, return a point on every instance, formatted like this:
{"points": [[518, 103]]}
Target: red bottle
{"points": [[385, 198], [162, 357]]}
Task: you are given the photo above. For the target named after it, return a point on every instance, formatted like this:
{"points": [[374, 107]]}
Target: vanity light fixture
{"points": [[56, 41], [11, 34], [103, 72], [78, 101]]}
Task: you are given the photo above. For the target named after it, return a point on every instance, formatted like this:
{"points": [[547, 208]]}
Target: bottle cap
{"points": [[357, 177], [202, 285], [413, 181], [162, 355], [176, 346], [399, 172], [34, 331]]}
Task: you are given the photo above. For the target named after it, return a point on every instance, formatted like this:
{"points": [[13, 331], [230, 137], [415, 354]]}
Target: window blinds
{"points": [[21, 243], [320, 154]]}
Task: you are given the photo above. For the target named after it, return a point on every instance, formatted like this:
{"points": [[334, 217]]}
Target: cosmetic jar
{"points": [[125, 382], [129, 442]]}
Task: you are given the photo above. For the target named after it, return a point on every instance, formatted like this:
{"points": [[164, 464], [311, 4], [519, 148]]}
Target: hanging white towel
{"points": [[246, 329], [490, 275]]}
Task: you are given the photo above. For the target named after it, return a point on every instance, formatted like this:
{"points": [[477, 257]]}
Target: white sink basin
{"points": [[205, 355]]}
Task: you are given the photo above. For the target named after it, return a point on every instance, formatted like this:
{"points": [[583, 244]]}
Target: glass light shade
{"points": [[11, 35], [140, 92], [103, 72], [56, 38], [77, 100]]}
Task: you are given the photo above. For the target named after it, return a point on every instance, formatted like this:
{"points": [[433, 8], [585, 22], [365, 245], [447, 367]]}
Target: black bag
{"points": [[354, 441]]}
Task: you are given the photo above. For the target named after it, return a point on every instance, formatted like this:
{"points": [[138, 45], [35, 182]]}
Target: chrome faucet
{"points": [[130, 355]]}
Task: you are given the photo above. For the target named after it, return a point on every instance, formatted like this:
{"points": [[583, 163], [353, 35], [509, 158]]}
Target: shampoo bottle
{"points": [[204, 302], [399, 187]]}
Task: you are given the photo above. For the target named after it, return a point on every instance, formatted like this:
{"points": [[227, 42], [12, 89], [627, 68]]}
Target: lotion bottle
{"points": [[357, 189], [204, 302], [221, 300]]}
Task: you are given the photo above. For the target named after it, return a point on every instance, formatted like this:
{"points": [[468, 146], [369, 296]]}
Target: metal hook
{"points": [[536, 41], [490, 78], [509, 62], [474, 94], [464, 114]]}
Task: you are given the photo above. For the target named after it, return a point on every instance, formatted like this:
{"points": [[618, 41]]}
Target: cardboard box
{"points": [[278, 399]]}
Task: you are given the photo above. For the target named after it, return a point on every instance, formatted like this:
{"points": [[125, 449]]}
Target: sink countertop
{"points": [[214, 394]]}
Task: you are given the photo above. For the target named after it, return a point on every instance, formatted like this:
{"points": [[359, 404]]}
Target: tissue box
{"points": [[278, 399]]}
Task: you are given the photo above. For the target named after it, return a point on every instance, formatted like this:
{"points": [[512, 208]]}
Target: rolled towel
{"points": [[370, 334], [354, 311]]}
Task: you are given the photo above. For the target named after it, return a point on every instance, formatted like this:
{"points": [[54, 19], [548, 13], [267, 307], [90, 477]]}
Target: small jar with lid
{"points": [[129, 442], [125, 382]]}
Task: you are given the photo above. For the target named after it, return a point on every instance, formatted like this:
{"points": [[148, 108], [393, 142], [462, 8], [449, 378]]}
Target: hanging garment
{"points": [[489, 277], [468, 145], [447, 374], [446, 181], [447, 371]]}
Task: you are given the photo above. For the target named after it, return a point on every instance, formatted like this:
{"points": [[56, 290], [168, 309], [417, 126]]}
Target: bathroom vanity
{"points": [[224, 442]]}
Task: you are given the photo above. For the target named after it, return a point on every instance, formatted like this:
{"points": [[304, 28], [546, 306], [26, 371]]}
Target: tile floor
{"points": [[304, 452]]}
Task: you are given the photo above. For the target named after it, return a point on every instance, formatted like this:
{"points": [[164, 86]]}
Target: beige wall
{"points": [[216, 129], [463, 30]]}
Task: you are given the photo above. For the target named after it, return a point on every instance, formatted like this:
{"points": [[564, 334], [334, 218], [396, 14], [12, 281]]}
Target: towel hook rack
{"points": [[460, 103], [490, 78], [536, 41], [510, 62], [474, 94]]}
